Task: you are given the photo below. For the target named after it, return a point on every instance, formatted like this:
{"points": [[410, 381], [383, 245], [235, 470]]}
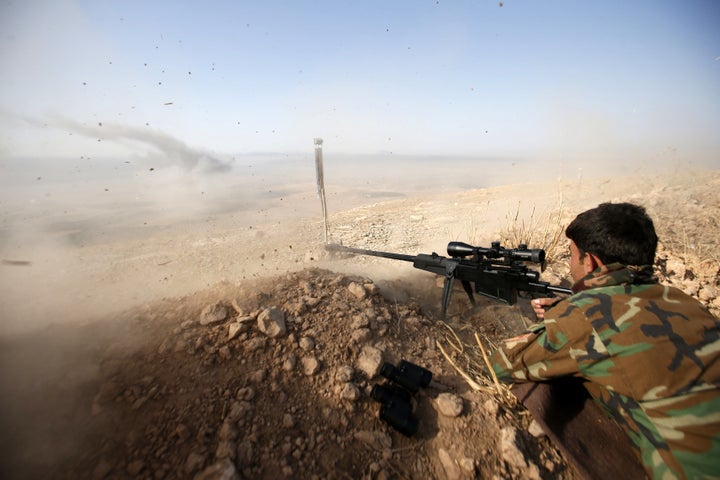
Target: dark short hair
{"points": [[615, 232]]}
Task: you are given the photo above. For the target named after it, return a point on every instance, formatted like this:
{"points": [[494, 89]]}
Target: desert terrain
{"points": [[224, 348]]}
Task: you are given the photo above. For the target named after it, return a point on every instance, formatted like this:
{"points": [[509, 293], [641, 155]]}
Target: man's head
{"points": [[612, 232]]}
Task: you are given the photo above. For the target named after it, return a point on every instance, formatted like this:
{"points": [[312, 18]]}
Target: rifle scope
{"points": [[522, 253]]}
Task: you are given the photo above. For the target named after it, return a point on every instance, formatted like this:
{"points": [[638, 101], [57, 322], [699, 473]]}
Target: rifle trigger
{"points": [[468, 289]]}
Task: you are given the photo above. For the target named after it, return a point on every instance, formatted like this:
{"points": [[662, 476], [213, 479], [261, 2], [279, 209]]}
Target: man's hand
{"points": [[542, 304]]}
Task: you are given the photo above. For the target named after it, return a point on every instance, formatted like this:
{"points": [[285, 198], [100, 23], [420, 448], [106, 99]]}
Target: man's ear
{"points": [[591, 262]]}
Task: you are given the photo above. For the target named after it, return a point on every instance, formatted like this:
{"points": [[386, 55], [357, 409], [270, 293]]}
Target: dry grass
{"points": [[692, 246], [544, 231], [472, 363]]}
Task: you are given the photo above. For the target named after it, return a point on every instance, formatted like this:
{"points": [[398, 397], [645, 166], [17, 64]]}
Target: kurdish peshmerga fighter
{"points": [[647, 353]]}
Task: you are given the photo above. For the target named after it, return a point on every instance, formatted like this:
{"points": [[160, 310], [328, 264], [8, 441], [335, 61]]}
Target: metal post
{"points": [[321, 184]]}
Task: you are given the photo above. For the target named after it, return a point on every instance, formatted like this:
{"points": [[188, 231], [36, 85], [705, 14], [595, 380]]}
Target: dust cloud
{"points": [[82, 238]]}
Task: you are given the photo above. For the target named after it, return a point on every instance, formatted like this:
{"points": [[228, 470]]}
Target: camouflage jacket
{"points": [[649, 355]]}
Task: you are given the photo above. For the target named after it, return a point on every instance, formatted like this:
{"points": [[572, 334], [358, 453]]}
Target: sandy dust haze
{"points": [[81, 237]]}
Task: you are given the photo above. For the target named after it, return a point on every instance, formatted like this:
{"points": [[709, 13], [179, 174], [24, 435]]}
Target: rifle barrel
{"points": [[395, 256], [560, 290]]}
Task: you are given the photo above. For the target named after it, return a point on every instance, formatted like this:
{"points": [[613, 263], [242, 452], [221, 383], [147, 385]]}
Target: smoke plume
{"points": [[174, 150]]}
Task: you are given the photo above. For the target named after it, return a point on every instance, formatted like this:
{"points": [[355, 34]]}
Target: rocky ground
{"points": [[271, 376], [274, 381]]}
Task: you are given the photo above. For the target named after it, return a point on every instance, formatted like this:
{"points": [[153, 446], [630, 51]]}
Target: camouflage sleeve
{"points": [[542, 353]]}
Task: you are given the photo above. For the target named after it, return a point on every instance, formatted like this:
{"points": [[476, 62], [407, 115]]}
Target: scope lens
{"points": [[381, 394], [419, 376], [459, 249], [387, 370], [399, 416]]}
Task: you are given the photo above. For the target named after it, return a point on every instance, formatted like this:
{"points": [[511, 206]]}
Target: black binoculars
{"points": [[395, 395]]}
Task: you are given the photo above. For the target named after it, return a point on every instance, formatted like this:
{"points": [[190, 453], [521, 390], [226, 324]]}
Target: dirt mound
{"points": [[273, 380]]}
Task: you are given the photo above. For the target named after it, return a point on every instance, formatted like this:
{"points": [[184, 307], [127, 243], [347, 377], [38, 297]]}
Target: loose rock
{"points": [[370, 361], [357, 290], [271, 322], [311, 365], [449, 404], [217, 312], [223, 470]]}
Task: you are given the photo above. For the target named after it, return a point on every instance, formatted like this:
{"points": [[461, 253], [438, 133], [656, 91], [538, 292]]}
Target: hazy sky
{"points": [[536, 78]]}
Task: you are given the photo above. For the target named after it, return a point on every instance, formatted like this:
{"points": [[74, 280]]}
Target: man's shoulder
{"points": [[609, 295], [667, 296], [640, 314], [651, 291], [621, 309], [624, 289]]}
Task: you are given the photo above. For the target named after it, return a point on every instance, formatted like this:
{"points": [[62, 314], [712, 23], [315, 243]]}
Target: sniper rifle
{"points": [[496, 272]]}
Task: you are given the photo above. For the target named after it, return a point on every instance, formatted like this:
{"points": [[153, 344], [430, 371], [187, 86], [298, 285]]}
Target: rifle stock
{"points": [[496, 272]]}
